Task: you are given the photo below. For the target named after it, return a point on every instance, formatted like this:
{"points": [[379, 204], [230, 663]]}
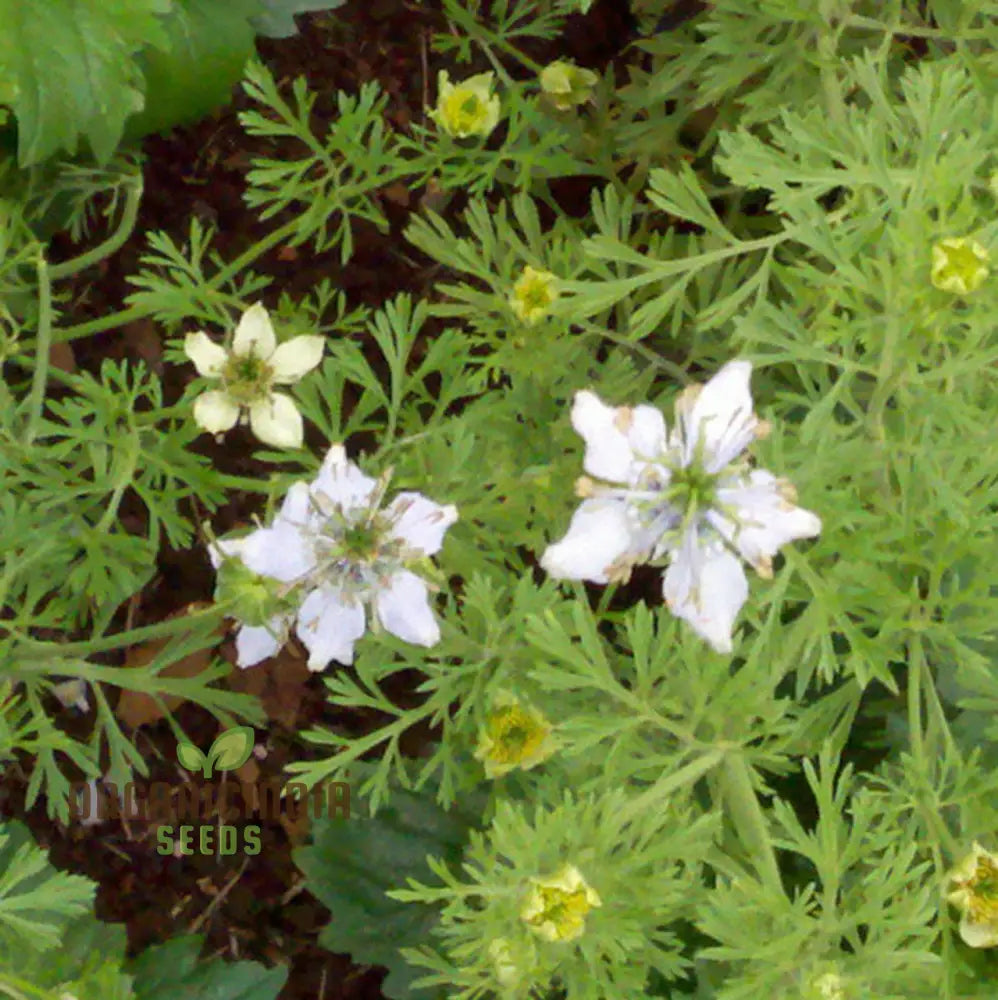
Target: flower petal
{"points": [[404, 609], [420, 522], [608, 452], [647, 434], [600, 533], [705, 585], [255, 334], [341, 480], [979, 935], [259, 642], [215, 412], [298, 509], [280, 551], [223, 548], [295, 357], [766, 519], [329, 627], [276, 421], [208, 357], [718, 416]]}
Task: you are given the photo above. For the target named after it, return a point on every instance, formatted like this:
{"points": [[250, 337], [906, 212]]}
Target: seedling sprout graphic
{"points": [[229, 751]]}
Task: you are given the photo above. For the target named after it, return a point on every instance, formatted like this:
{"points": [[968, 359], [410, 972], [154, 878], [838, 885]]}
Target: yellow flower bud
{"points": [[959, 265], [467, 108], [975, 895], [567, 84], [515, 735], [533, 294], [557, 905]]}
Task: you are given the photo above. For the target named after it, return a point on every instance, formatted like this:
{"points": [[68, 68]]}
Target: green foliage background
{"points": [[768, 183]]}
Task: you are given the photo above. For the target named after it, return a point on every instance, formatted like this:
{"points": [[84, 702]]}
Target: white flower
{"points": [[682, 497], [248, 370], [337, 552]]}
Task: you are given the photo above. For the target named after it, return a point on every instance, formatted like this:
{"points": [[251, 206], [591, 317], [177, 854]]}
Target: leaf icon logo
{"points": [[230, 750]]}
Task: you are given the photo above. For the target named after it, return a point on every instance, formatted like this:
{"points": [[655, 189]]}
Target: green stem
{"points": [[913, 30], [109, 246], [37, 649], [748, 818], [101, 323], [122, 481], [659, 793], [133, 313], [916, 661], [42, 346]]}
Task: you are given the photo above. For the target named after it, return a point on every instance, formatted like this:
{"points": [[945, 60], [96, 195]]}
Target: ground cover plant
{"points": [[622, 583]]}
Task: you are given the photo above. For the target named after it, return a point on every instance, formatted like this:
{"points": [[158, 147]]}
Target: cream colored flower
{"points": [[567, 84], [959, 265], [533, 294], [467, 108], [514, 735], [557, 905], [248, 370], [975, 895]]}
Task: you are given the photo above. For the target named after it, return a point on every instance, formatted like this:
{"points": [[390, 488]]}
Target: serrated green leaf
{"points": [[87, 962], [231, 749], [36, 901], [351, 864], [208, 45], [277, 19], [171, 970], [71, 64]]}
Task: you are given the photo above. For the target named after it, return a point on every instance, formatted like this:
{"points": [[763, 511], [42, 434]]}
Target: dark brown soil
{"points": [[255, 907]]}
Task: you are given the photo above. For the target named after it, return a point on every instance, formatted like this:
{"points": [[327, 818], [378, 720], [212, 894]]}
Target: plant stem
{"points": [[42, 345], [37, 649], [749, 821], [132, 313], [656, 796], [126, 224]]}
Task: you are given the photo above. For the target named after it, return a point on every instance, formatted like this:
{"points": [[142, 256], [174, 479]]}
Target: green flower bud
{"points": [[254, 599], [567, 85]]}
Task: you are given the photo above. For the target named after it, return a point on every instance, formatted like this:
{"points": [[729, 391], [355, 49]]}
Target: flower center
{"points": [[692, 488], [464, 111], [536, 295], [357, 552], [360, 543], [961, 262], [565, 910], [515, 735], [246, 378], [984, 891]]}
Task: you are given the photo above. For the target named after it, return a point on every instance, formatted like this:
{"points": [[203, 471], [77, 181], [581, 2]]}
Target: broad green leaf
{"points": [[277, 19], [170, 971], [71, 66], [209, 43], [190, 757], [231, 749], [352, 863]]}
